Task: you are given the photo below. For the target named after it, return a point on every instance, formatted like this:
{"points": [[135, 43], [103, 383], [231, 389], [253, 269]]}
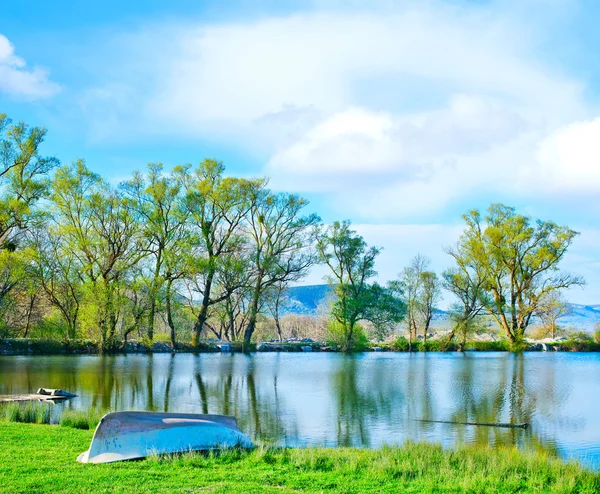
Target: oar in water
{"points": [[509, 426]]}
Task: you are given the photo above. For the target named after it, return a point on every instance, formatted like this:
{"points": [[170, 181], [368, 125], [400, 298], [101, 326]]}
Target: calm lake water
{"points": [[328, 399]]}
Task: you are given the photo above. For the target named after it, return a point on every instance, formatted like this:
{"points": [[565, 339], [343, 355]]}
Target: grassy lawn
{"points": [[41, 458]]}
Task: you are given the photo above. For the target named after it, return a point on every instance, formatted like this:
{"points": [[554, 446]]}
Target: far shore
{"points": [[31, 346]]}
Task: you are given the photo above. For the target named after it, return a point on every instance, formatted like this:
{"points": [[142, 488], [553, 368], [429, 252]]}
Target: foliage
{"points": [[352, 264], [489, 346], [518, 260], [218, 209], [597, 333], [192, 252], [422, 291], [337, 334], [400, 344], [283, 245], [580, 341]]}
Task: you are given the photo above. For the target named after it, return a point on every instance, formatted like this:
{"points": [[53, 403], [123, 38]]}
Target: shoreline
{"points": [[30, 347]]}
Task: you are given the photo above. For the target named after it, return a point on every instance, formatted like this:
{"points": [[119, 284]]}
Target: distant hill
{"points": [[306, 300], [582, 317]]}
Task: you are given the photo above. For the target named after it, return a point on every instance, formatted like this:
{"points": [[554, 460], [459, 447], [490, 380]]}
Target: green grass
{"points": [[41, 458], [27, 412], [78, 419]]}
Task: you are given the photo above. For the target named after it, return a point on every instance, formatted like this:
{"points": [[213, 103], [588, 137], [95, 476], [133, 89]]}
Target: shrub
{"points": [[581, 341], [597, 333], [337, 334], [431, 346], [489, 346], [400, 344]]}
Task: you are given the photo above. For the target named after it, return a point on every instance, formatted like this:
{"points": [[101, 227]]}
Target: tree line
{"points": [[194, 250]]}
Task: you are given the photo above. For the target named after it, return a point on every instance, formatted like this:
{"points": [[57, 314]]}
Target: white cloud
{"points": [[569, 158], [241, 71], [406, 108], [16, 79], [401, 148], [466, 100]]}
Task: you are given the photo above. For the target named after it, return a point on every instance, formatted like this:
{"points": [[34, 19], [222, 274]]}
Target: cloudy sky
{"points": [[398, 115]]}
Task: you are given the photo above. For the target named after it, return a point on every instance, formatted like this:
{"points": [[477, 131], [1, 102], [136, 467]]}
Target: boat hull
{"points": [[129, 435]]}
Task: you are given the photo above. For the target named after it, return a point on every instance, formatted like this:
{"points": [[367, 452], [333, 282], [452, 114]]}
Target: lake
{"points": [[365, 400]]}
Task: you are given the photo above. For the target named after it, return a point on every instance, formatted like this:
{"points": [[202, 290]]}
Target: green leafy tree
{"points": [[23, 182], [100, 227], [282, 246], [218, 207], [467, 281], [158, 201], [352, 264], [520, 259], [57, 269], [23, 179]]}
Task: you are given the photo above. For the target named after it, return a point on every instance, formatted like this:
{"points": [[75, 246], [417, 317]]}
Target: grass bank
{"points": [[41, 458]]}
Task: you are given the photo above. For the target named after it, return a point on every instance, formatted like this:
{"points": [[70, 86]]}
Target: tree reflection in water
{"points": [[361, 400]]}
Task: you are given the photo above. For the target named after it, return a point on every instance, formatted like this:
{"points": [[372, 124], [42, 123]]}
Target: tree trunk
{"points": [[153, 294], [426, 328], [249, 331], [169, 315], [230, 333], [203, 314], [151, 315], [279, 333], [253, 315], [29, 312]]}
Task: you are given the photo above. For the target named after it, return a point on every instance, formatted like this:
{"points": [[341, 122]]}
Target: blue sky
{"points": [[397, 115]]}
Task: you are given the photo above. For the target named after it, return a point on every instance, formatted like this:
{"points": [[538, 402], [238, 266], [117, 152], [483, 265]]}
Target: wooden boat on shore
{"points": [[43, 394], [128, 435]]}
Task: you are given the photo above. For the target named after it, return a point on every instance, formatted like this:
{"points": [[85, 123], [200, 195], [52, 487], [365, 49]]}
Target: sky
{"points": [[398, 115]]}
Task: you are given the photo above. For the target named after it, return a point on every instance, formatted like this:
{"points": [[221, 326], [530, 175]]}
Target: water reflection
{"points": [[335, 400]]}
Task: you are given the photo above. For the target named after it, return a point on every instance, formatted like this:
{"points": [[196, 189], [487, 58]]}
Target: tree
{"points": [[58, 271], [467, 282], [597, 333], [217, 208], [520, 260], [422, 292], [429, 296], [275, 299], [282, 245], [352, 264], [23, 182], [157, 199], [550, 309], [23, 178], [99, 226]]}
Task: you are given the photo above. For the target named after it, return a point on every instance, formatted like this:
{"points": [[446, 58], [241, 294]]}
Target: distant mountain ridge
{"points": [[306, 300]]}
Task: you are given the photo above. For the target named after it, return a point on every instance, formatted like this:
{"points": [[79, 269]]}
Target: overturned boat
{"points": [[128, 435]]}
